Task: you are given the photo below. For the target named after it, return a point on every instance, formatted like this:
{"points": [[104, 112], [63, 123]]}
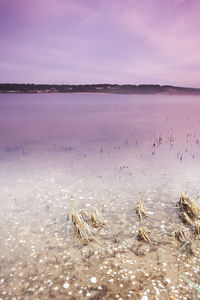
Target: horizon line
{"points": [[106, 83]]}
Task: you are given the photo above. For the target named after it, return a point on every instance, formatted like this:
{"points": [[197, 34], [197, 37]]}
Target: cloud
{"points": [[100, 41], [170, 29]]}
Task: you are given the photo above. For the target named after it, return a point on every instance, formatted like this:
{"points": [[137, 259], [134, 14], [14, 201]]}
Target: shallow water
{"points": [[100, 150]]}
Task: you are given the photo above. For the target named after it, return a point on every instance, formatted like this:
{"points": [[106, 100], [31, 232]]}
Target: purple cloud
{"points": [[122, 41]]}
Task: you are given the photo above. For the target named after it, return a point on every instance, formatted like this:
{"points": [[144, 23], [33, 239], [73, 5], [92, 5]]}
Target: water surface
{"points": [[100, 150]]}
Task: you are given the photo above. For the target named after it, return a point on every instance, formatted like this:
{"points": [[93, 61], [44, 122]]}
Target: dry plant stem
{"points": [[96, 218], [182, 236], [194, 249], [188, 207], [144, 234], [85, 215], [81, 228], [189, 212], [141, 210], [184, 216]]}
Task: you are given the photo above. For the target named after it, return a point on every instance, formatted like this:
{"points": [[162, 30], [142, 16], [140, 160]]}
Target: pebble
{"points": [[66, 285], [93, 279], [168, 280]]}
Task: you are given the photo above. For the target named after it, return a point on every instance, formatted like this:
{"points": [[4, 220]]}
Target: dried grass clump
{"points": [[186, 219], [189, 211], [81, 227], [182, 234], [84, 223], [189, 207], [85, 215], [184, 242], [96, 218], [141, 210], [144, 234]]}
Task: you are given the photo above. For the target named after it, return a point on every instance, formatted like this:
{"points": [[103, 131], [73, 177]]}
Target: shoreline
{"points": [[128, 89], [104, 93]]}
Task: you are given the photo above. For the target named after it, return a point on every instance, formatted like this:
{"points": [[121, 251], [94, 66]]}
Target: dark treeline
{"points": [[96, 88]]}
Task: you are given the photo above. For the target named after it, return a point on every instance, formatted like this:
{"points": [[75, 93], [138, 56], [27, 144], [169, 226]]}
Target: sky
{"points": [[100, 41]]}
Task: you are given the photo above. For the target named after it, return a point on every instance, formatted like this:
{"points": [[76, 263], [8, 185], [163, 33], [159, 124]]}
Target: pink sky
{"points": [[95, 41]]}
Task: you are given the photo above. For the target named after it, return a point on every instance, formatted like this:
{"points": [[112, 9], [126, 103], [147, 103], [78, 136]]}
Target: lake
{"points": [[61, 151]]}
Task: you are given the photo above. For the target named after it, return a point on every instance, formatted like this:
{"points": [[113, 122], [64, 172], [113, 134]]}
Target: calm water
{"points": [[103, 150]]}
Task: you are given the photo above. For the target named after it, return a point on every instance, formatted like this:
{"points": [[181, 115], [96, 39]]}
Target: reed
{"points": [[96, 218], [84, 222], [188, 207], [144, 234], [184, 241], [181, 235], [194, 285], [141, 210], [85, 215], [81, 227], [189, 212]]}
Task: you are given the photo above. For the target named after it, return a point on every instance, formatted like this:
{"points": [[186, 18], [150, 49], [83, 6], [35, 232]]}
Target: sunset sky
{"points": [[100, 41]]}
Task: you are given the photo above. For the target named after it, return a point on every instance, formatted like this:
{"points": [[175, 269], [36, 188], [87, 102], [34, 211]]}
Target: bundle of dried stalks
{"points": [[183, 238], [189, 212], [144, 234], [189, 207], [141, 210], [96, 218], [81, 227], [85, 215], [182, 234]]}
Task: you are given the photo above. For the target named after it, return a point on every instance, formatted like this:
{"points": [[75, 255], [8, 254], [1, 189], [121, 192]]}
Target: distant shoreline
{"points": [[98, 93], [145, 89]]}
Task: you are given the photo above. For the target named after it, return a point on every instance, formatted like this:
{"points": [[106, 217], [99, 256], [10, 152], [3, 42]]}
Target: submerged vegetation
{"points": [[182, 239], [96, 218], [84, 223], [189, 211], [182, 234], [81, 228], [141, 210], [144, 234]]}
